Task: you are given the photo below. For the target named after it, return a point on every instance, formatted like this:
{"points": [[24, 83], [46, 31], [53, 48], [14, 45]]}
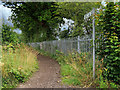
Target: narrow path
{"points": [[48, 75]]}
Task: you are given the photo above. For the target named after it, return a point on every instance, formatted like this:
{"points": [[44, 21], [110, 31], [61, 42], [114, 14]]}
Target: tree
{"points": [[8, 36], [64, 34], [76, 12], [36, 20]]}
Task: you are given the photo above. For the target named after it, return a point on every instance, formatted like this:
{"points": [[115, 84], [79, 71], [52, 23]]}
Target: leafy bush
{"points": [[109, 49], [10, 39], [18, 65], [8, 36]]}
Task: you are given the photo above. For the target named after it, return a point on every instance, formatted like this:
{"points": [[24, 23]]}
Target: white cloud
{"points": [[6, 12], [18, 31], [103, 3], [67, 23]]}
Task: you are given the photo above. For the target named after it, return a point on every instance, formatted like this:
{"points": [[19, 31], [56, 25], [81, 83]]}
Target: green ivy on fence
{"points": [[109, 48]]}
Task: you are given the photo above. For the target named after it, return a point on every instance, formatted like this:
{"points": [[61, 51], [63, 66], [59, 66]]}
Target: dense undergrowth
{"points": [[76, 70], [18, 64]]}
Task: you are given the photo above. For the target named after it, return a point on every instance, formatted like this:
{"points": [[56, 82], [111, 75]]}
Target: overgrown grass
{"points": [[18, 65], [77, 70]]}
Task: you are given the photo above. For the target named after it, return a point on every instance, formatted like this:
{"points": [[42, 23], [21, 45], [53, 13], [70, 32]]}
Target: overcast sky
{"points": [[5, 13]]}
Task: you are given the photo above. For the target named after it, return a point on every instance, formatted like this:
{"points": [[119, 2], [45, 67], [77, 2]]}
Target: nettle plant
{"points": [[108, 21]]}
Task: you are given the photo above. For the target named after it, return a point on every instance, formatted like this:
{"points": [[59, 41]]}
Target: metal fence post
{"points": [[93, 44], [64, 46], [1, 47], [78, 44]]}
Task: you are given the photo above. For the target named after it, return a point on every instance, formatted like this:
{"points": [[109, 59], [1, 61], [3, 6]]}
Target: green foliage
{"points": [[76, 11], [113, 85], [8, 36], [103, 83], [60, 57], [69, 75], [36, 20], [39, 21], [17, 65], [64, 34], [109, 49], [76, 69]]}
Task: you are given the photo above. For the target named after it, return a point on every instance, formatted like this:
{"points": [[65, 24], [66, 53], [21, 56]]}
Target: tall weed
{"points": [[77, 70], [18, 65], [80, 69]]}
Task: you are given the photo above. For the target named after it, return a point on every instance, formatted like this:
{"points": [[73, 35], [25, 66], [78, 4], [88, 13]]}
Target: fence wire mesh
{"points": [[79, 44]]}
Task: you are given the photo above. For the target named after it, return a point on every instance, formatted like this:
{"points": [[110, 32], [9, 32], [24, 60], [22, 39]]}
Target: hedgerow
{"points": [[109, 47]]}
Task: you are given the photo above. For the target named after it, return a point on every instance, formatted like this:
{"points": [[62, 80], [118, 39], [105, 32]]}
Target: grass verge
{"points": [[17, 65], [77, 70]]}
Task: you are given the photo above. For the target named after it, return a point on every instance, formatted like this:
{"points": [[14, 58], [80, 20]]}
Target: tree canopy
{"points": [[35, 19], [76, 12], [39, 21]]}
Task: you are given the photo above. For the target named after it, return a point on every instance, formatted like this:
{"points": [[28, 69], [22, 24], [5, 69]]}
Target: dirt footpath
{"points": [[48, 75]]}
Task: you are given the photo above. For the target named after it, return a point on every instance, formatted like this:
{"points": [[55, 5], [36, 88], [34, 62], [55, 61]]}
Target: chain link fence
{"points": [[80, 44]]}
